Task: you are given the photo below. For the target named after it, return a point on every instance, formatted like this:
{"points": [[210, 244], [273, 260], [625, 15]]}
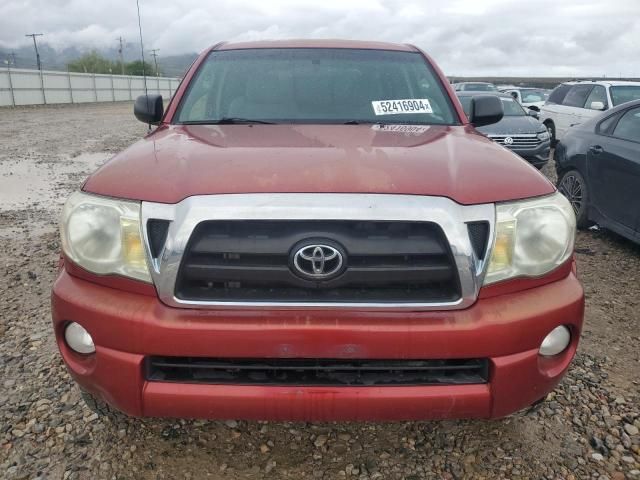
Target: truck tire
{"points": [[573, 186]]}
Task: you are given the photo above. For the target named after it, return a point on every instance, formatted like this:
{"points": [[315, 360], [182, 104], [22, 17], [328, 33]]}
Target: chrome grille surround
{"points": [[521, 140], [449, 215]]}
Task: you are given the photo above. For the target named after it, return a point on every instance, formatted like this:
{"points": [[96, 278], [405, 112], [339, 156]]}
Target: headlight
{"points": [[543, 136], [532, 238], [103, 236]]}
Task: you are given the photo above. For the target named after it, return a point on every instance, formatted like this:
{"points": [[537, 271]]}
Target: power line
{"points": [[120, 48], [144, 76], [35, 45], [155, 59]]}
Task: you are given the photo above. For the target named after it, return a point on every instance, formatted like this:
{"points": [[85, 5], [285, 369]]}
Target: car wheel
{"points": [[551, 128], [573, 186]]}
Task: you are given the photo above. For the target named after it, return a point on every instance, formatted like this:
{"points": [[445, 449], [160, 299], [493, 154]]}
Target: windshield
{"points": [[531, 96], [315, 85], [511, 107], [624, 93], [480, 87]]}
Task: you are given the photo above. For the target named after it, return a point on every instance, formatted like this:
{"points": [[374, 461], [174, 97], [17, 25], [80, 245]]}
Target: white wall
{"points": [[32, 87]]}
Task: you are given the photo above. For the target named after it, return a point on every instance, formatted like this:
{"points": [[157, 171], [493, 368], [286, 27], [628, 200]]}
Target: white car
{"points": [[572, 103], [527, 97], [474, 87]]}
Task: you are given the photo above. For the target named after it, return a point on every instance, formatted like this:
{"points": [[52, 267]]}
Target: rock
{"points": [[630, 429], [320, 440], [271, 464], [231, 423], [91, 418], [597, 457], [264, 448], [597, 444]]}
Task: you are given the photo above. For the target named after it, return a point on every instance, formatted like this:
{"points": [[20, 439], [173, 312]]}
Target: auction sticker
{"points": [[406, 129], [395, 107]]}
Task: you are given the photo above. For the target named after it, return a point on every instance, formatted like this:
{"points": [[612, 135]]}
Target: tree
{"points": [[135, 68], [92, 62]]}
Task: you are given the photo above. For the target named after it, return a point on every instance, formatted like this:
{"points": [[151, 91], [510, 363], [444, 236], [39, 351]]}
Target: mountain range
{"points": [[57, 59]]}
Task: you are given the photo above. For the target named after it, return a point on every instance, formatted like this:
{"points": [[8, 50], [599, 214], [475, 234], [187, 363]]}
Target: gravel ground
{"points": [[588, 428]]}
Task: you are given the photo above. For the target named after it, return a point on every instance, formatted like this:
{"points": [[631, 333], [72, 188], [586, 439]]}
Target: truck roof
{"points": [[327, 43]]}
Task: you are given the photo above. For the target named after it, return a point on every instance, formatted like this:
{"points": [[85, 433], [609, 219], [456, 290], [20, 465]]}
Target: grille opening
{"points": [[398, 262], [310, 372], [479, 236], [157, 231], [517, 141]]}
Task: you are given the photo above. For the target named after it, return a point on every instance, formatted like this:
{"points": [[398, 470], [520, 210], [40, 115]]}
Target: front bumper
{"points": [[538, 157], [127, 327]]}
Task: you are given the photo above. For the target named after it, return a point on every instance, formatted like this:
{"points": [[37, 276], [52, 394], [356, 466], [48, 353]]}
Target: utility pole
{"points": [[13, 58], [155, 59], [120, 47], [35, 45]]}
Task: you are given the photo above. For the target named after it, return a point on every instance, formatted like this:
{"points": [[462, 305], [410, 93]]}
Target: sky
{"points": [[465, 37]]}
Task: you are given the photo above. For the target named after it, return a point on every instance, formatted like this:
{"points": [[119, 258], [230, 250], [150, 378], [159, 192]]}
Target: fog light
{"points": [[79, 339], [555, 343]]}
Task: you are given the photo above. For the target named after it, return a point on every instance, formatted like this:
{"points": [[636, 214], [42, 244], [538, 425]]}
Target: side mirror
{"points": [[533, 113], [486, 110], [596, 106], [149, 109], [535, 108]]}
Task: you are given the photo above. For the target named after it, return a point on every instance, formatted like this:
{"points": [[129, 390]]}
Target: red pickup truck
{"points": [[316, 231]]}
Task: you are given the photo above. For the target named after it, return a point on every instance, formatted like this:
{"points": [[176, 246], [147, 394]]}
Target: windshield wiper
{"points": [[239, 120], [226, 121], [374, 122]]}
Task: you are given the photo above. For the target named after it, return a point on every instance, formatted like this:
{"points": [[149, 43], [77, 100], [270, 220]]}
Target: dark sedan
{"points": [[598, 164], [519, 130]]}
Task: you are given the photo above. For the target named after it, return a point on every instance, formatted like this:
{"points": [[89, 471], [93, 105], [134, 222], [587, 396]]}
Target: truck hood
{"points": [[512, 125], [179, 161]]}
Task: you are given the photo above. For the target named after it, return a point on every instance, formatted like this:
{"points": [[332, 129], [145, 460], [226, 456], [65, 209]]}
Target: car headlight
{"points": [[103, 236], [532, 237], [543, 136]]}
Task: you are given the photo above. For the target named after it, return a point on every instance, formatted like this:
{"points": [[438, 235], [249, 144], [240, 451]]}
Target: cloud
{"points": [[466, 37]]}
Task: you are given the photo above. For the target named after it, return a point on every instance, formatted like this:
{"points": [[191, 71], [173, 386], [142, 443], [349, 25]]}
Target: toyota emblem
{"points": [[318, 261]]}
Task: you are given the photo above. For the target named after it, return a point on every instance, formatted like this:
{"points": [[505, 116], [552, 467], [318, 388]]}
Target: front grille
{"points": [[251, 261], [479, 236], [309, 372], [519, 141], [157, 231]]}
